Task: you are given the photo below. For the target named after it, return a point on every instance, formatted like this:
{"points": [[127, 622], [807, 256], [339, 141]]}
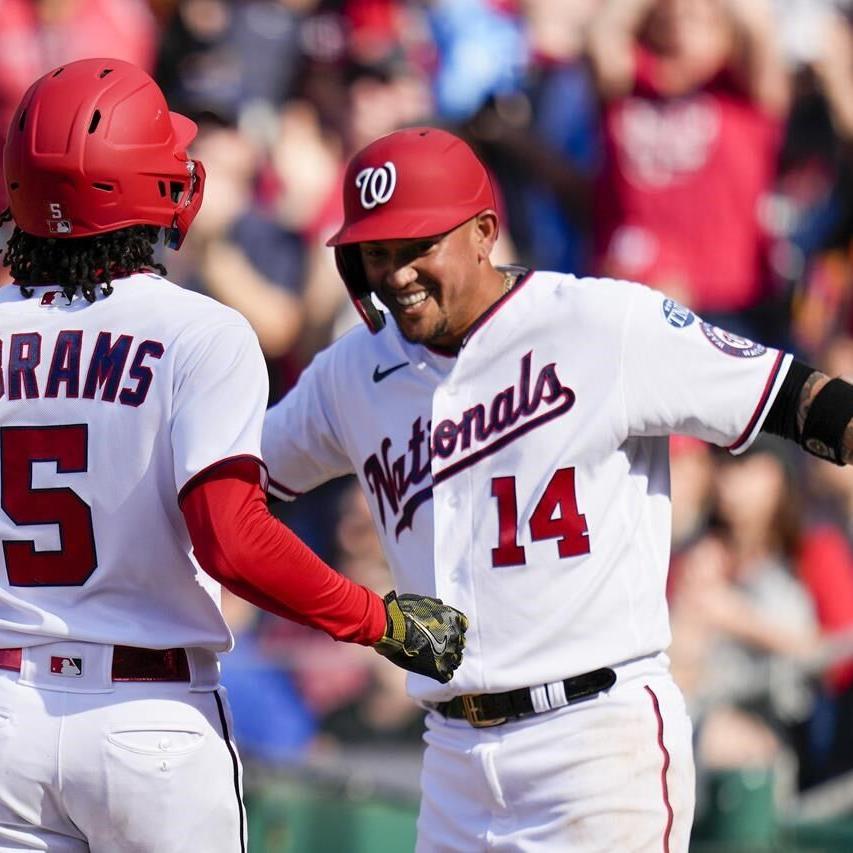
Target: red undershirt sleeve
{"points": [[239, 543]]}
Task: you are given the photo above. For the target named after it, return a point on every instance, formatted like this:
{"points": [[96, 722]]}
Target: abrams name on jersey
{"points": [[113, 370]]}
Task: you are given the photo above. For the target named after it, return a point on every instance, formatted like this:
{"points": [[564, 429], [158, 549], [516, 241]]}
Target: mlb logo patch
{"points": [[66, 666], [59, 226], [50, 297]]}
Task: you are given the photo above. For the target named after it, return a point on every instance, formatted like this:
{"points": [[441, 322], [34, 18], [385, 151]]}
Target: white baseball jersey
{"points": [[107, 410], [526, 480]]}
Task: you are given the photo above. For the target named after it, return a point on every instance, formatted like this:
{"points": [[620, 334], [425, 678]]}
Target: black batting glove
{"points": [[423, 635]]}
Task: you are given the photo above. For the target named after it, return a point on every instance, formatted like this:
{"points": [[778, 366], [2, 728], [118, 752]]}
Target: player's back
{"points": [[96, 440]]}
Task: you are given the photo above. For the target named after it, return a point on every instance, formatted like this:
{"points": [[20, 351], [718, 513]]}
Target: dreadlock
{"points": [[81, 262]]}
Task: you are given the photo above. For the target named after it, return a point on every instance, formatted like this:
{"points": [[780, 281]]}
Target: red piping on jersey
{"points": [[670, 816], [444, 352], [452, 353], [263, 479], [761, 403], [280, 487], [481, 320]]}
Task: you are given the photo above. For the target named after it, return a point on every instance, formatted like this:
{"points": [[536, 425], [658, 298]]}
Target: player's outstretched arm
{"points": [[423, 635], [610, 44], [241, 545]]}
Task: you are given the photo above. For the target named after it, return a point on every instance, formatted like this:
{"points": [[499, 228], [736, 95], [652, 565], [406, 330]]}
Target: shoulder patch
{"points": [[677, 315], [732, 344]]}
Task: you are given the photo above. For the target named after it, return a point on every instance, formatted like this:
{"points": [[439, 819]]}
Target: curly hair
{"points": [[81, 262]]}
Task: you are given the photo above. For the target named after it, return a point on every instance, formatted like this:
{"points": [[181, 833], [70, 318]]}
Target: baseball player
{"points": [[130, 423], [510, 429]]}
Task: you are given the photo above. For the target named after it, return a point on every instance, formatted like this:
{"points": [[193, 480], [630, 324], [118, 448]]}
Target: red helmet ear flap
{"points": [[188, 205], [348, 260]]}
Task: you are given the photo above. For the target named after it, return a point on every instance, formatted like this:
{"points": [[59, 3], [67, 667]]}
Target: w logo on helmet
{"points": [[376, 184]]}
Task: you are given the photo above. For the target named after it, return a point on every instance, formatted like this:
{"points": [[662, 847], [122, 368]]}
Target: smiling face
{"points": [[436, 287]]}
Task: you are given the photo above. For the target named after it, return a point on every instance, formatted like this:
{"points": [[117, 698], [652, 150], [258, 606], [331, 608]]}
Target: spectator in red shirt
{"points": [[694, 93], [37, 36]]}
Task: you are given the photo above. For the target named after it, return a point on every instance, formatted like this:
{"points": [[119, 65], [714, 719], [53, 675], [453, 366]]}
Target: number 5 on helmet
{"points": [[423, 635]]}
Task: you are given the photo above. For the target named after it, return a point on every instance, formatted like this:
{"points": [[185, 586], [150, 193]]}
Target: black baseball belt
{"points": [[482, 710]]}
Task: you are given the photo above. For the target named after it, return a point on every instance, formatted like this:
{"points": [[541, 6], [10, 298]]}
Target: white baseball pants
{"points": [[612, 773], [137, 767]]}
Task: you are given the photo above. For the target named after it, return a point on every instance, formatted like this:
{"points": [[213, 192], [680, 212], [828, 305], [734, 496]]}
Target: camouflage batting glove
{"points": [[423, 635]]}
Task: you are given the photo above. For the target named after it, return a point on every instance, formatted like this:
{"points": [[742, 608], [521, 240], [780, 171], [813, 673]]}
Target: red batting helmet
{"points": [[93, 147], [417, 182]]}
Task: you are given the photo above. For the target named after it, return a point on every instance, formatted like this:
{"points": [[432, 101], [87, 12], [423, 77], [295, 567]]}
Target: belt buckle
{"points": [[472, 713]]}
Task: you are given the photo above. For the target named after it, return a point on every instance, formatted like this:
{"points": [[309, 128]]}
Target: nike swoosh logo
{"points": [[438, 648], [379, 375]]}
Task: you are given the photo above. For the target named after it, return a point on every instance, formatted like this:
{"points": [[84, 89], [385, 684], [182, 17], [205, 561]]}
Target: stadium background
{"points": [[762, 575]]}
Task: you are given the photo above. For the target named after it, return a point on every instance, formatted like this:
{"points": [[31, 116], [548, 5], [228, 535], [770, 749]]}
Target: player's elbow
{"points": [[215, 563]]}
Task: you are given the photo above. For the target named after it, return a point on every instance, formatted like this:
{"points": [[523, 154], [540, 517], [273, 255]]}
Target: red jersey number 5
{"points": [[556, 516], [20, 449]]}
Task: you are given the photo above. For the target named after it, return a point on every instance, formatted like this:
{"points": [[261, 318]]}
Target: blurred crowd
{"points": [[704, 147]]}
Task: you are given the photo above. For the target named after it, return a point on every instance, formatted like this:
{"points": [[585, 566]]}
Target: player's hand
{"points": [[423, 635]]}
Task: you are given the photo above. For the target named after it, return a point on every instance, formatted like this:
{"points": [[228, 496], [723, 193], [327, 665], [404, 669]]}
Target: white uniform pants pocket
{"points": [[148, 768]]}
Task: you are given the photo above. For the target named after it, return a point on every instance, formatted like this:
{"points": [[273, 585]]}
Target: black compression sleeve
{"points": [[829, 413], [782, 417]]}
